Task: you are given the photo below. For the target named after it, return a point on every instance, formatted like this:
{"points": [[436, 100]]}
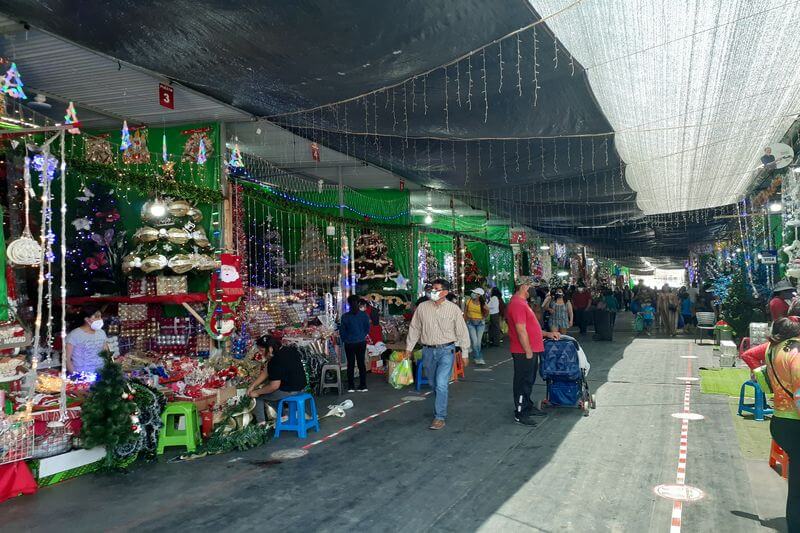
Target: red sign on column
{"points": [[519, 237], [166, 95]]}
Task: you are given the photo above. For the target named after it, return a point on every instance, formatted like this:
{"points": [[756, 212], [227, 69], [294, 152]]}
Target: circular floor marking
{"points": [[681, 493], [684, 378], [412, 398], [289, 453], [688, 357], [688, 416]]}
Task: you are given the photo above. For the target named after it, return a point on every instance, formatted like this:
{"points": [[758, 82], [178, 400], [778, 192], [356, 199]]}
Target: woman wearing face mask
{"points": [[560, 310], [84, 343], [354, 330], [475, 313]]}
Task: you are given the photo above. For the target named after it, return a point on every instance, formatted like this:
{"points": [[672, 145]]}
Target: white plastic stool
{"points": [[335, 383]]}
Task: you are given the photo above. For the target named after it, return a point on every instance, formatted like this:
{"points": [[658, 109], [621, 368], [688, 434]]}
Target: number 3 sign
{"points": [[165, 96]]}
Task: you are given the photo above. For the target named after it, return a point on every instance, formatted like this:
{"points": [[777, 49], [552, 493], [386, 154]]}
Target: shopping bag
{"points": [[401, 375], [638, 323], [504, 327]]}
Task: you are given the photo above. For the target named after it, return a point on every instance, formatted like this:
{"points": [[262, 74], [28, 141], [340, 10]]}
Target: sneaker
{"points": [[437, 424], [363, 390], [525, 421], [480, 362], [537, 412], [351, 390]]}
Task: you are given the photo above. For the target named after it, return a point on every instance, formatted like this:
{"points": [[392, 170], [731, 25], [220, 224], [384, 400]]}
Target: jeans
{"points": [[273, 397], [495, 332], [475, 328], [438, 366], [524, 377], [355, 354], [786, 433]]}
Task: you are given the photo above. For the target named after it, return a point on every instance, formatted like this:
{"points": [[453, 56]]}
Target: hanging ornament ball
{"points": [[146, 234], [153, 263], [24, 252], [179, 208], [178, 235], [180, 264], [162, 233]]}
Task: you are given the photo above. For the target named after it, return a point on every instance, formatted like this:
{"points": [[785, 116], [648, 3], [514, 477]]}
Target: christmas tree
{"points": [[170, 240], [739, 307], [372, 262], [266, 262], [95, 243], [472, 276], [428, 264], [315, 266], [109, 413]]}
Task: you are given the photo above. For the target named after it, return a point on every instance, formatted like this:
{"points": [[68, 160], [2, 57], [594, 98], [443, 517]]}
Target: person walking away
{"points": [[612, 305], [353, 331], [648, 314], [439, 326], [475, 313], [581, 301], [496, 309], [687, 311], [284, 373], [526, 342], [672, 305], [560, 309], [783, 370], [782, 294]]}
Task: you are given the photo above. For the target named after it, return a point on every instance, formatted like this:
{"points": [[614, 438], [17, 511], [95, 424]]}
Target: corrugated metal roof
{"points": [[69, 72]]}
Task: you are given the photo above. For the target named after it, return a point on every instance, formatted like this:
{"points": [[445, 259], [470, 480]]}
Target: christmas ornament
{"points": [[226, 285], [236, 157], [402, 283], [201, 153], [153, 263], [125, 141], [137, 152], [164, 153], [25, 251], [191, 148], [71, 118], [11, 84], [98, 150]]}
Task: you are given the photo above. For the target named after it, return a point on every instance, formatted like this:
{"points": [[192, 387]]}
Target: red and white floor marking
{"points": [[680, 492]]}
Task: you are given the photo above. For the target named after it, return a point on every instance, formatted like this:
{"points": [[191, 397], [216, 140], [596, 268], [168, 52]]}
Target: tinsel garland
{"points": [[221, 440], [143, 182]]}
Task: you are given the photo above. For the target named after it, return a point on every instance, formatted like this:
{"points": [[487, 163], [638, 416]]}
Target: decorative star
{"points": [[402, 283]]}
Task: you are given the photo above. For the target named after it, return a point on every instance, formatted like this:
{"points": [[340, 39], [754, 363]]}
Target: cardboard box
{"points": [[219, 398]]}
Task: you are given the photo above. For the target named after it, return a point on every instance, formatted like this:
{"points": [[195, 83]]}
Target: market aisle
{"points": [[481, 473]]}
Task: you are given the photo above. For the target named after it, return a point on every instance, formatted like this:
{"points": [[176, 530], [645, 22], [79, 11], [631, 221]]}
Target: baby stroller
{"points": [[564, 368]]}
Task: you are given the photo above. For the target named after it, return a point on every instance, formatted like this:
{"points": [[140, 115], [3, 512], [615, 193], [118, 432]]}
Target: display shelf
{"points": [[168, 299]]}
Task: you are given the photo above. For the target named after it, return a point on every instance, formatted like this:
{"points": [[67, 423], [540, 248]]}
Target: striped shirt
{"points": [[434, 324]]}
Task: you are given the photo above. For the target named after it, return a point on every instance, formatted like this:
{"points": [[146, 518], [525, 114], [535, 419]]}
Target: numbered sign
{"points": [[166, 96]]}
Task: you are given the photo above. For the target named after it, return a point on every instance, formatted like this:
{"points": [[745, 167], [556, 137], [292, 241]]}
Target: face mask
{"points": [[362, 308], [435, 295], [559, 294], [580, 289], [96, 325], [474, 296]]}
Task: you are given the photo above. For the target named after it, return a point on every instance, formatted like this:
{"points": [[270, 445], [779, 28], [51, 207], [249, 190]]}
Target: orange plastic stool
{"points": [[458, 367], [778, 457]]}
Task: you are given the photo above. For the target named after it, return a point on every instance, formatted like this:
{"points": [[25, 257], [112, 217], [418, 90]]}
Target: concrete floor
{"points": [[483, 472]]}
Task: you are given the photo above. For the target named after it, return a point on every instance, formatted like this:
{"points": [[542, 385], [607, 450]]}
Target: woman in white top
{"points": [[85, 343], [496, 305]]}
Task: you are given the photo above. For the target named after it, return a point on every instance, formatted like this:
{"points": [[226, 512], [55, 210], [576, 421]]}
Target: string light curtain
{"points": [[713, 78]]}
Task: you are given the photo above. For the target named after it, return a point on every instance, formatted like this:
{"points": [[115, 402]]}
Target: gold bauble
{"points": [[195, 214], [178, 235], [203, 262], [153, 263], [180, 263], [179, 208], [146, 234], [200, 239]]}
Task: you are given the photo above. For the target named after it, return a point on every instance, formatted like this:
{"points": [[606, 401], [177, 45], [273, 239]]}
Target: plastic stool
{"points": [[169, 435], [420, 379], [334, 384], [778, 457], [759, 406], [458, 367], [297, 415]]}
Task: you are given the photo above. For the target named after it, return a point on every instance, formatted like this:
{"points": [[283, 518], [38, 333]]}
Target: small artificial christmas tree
{"points": [[739, 308], [472, 276], [109, 413], [372, 263], [428, 264], [95, 243], [171, 239], [266, 261], [315, 266]]}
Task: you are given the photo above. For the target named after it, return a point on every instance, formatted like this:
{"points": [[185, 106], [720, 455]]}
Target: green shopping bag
{"points": [[401, 375]]}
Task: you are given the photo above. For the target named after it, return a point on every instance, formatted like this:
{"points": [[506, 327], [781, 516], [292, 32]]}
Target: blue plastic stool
{"points": [[297, 415], [759, 406], [420, 379]]}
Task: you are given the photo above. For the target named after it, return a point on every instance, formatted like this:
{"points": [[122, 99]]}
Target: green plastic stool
{"points": [[170, 435]]}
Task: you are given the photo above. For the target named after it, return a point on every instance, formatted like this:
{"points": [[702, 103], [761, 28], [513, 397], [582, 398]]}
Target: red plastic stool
{"points": [[778, 457]]}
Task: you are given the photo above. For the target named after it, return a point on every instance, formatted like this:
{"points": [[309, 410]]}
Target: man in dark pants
{"points": [[581, 302], [527, 344]]}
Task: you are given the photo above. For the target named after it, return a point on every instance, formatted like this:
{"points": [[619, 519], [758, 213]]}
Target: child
{"points": [[648, 314]]}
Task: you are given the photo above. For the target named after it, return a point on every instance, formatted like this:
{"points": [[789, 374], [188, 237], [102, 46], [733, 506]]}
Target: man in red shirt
{"points": [[782, 293], [527, 344], [581, 302]]}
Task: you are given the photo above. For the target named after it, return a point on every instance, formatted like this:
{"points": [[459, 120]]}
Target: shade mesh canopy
{"points": [[695, 89]]}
